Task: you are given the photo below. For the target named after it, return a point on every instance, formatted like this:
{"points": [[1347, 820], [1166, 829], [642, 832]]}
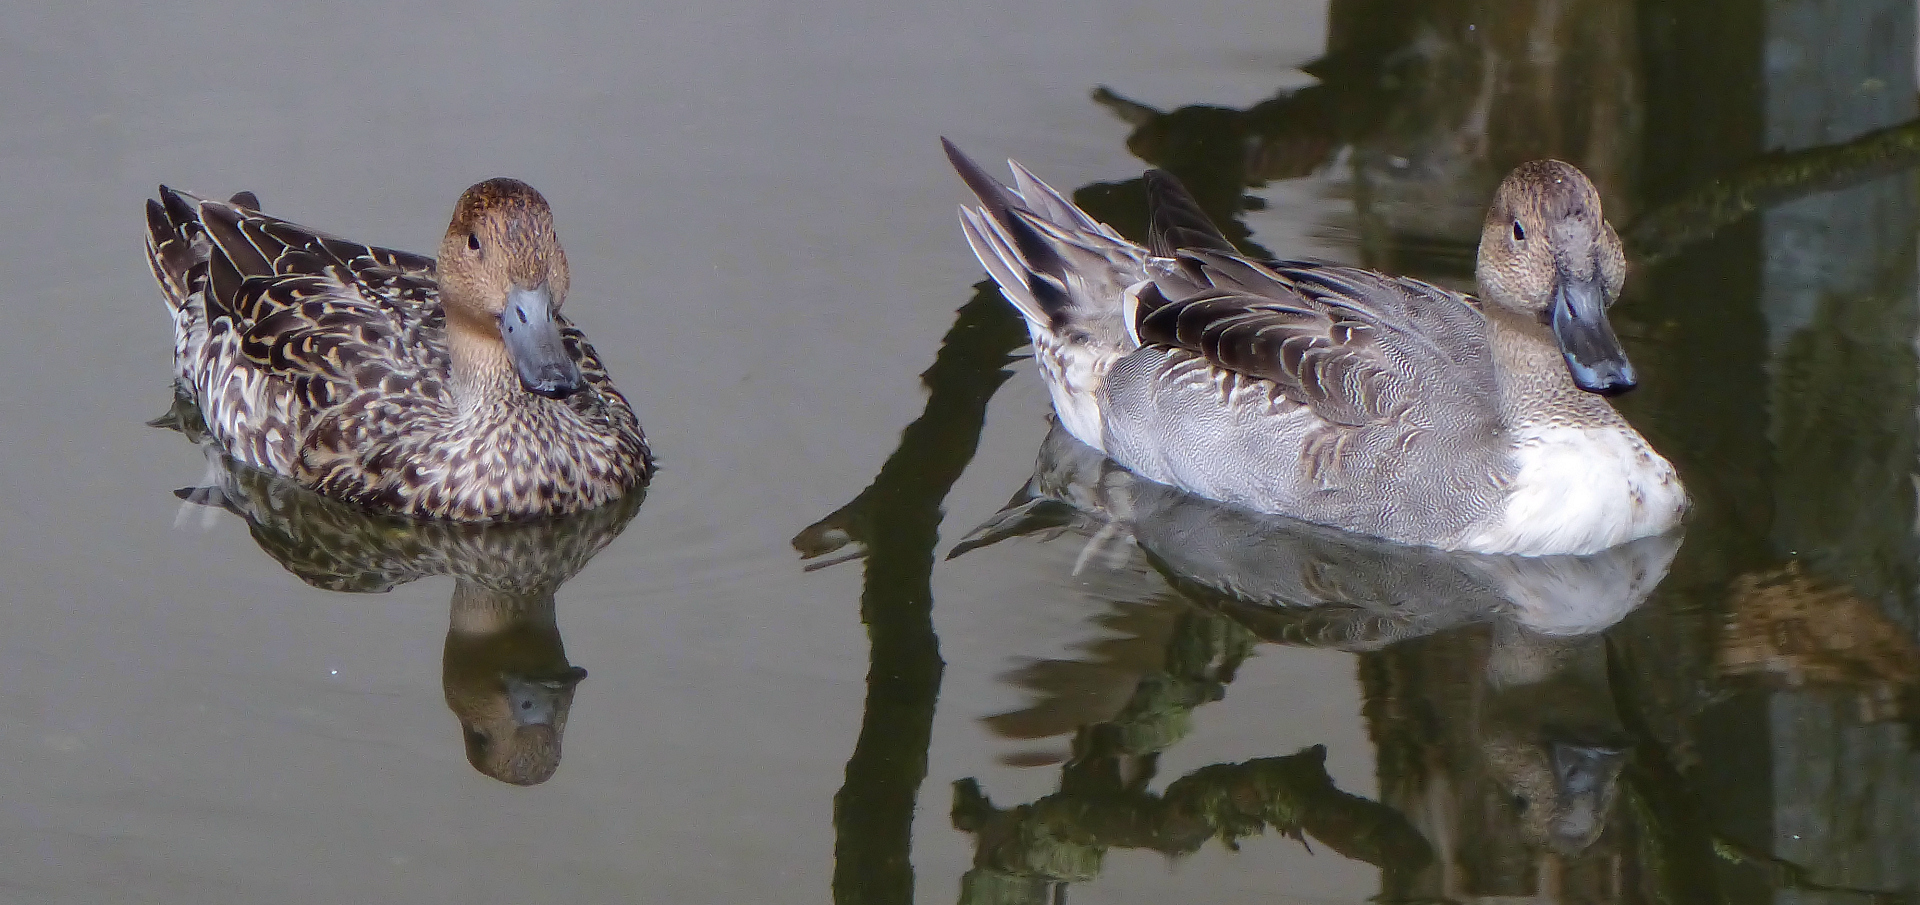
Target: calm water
{"points": [[793, 695]]}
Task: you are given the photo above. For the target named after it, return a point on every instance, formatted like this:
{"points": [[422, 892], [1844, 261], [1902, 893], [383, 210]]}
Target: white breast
{"points": [[1581, 490]]}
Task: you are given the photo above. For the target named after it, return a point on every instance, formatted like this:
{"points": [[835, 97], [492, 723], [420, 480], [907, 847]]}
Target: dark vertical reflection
{"points": [[1705, 404], [1708, 368], [895, 522], [1838, 297]]}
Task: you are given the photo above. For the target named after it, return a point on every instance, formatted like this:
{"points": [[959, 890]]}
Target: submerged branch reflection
{"points": [[1029, 853], [1771, 181]]}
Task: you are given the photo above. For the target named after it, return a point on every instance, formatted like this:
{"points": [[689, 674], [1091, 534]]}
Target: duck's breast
{"points": [[1580, 490]]}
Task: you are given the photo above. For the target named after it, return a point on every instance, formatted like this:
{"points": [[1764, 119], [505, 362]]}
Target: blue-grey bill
{"points": [[534, 344], [1593, 353], [1584, 777], [537, 702], [1583, 769]]}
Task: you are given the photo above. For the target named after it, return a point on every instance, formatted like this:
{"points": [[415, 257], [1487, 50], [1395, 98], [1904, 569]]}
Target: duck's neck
{"points": [[480, 610], [482, 377], [1535, 388]]}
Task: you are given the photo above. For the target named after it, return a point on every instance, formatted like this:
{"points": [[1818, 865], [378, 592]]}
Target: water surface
{"points": [[763, 246]]}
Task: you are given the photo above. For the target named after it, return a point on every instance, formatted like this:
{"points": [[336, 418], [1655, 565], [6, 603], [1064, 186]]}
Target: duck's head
{"points": [[507, 679], [1547, 252], [512, 725], [503, 278]]}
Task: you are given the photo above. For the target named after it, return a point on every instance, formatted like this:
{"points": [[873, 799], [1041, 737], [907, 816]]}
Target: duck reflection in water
{"points": [[505, 670], [507, 679], [1486, 678]]}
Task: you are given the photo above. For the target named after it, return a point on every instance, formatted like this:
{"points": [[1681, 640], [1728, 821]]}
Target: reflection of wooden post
{"points": [[1838, 296], [1471, 89], [1704, 403]]}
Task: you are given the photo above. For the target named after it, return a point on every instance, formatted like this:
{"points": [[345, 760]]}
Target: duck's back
{"points": [[276, 324], [1337, 395]]}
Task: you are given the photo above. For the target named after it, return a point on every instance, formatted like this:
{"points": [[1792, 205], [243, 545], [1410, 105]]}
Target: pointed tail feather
{"points": [[1176, 221], [1008, 246], [182, 208], [1053, 207], [1003, 263], [175, 243], [1066, 272]]}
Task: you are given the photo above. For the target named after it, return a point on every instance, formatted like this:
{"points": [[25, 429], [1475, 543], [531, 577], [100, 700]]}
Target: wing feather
{"points": [[298, 322], [1350, 344]]}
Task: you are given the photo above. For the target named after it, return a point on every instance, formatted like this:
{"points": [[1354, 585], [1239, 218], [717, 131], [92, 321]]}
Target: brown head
{"points": [[512, 725], [502, 279], [506, 678], [1547, 252]]}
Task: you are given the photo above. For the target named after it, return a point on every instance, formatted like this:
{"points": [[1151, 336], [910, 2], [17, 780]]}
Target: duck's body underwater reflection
{"points": [[1497, 663], [505, 670], [1392, 591]]}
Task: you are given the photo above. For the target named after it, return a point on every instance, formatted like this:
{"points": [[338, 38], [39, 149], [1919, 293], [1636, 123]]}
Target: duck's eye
{"points": [[473, 241], [1519, 235]]}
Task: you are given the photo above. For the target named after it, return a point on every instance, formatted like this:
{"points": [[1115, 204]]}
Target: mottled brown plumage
{"points": [[442, 389]]}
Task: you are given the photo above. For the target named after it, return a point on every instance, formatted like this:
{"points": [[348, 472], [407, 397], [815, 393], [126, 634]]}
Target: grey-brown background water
{"points": [[763, 243]]}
